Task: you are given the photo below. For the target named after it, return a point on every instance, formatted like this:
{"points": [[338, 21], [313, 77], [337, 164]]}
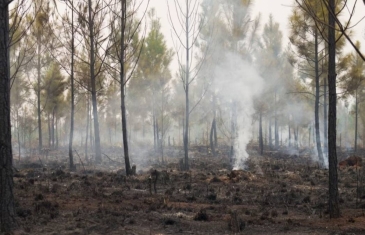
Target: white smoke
{"points": [[238, 81]]}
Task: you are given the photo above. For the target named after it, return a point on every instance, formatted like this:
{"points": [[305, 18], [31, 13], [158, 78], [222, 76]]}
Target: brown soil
{"points": [[277, 194]]}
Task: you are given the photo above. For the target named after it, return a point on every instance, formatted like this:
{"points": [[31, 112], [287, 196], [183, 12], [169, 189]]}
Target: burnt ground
{"points": [[278, 193]]}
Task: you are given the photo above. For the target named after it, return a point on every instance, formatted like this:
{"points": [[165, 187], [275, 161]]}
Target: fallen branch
{"points": [[112, 159], [80, 160]]}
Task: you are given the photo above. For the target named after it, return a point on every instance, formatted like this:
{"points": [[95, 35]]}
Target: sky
{"points": [[280, 9]]}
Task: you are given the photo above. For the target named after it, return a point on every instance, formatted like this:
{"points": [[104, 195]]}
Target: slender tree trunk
{"points": [[215, 120], [212, 147], [270, 136], [91, 137], [316, 102], [233, 131], [325, 118], [39, 49], [70, 143], [56, 132], [265, 133], [49, 130], [7, 211], [157, 134], [93, 87], [87, 126], [122, 89], [53, 129], [289, 144], [261, 141], [276, 133], [297, 137], [356, 119], [162, 133], [187, 81], [18, 132], [183, 131], [333, 202], [154, 130], [309, 136]]}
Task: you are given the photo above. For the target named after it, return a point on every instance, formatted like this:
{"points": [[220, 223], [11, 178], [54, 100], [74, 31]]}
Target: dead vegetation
{"points": [[277, 194]]}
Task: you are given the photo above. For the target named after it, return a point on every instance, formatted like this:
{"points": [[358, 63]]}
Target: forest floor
{"points": [[278, 193]]}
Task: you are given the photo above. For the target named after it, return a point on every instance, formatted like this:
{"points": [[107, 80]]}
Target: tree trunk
{"points": [[122, 89], [56, 132], [39, 49], [316, 102], [157, 134], [270, 136], [183, 131], [215, 122], [297, 137], [309, 136], [212, 146], [187, 82], [70, 143], [261, 141], [53, 129], [162, 126], [356, 118], [18, 133], [93, 88], [233, 130], [265, 133], [325, 118], [162, 137], [276, 133], [49, 130], [154, 130], [7, 211], [289, 144], [87, 127], [333, 202]]}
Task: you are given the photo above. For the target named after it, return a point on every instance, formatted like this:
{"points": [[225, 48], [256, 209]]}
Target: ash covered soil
{"points": [[278, 193]]}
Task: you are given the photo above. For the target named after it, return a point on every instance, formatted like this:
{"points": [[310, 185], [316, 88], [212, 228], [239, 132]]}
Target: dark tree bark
{"points": [[154, 122], [7, 211], [122, 88], [276, 132], [93, 87], [49, 130], [53, 129], [233, 130], [289, 144], [325, 118], [296, 134], [187, 83], [56, 132], [265, 133], [212, 146], [270, 135], [18, 133], [39, 50], [70, 143], [213, 129], [356, 119], [261, 141], [157, 135], [333, 202], [87, 127], [316, 102]]}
